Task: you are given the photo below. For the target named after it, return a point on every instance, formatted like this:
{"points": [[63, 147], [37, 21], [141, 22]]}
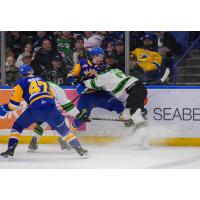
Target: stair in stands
{"points": [[188, 78], [195, 53], [193, 61], [189, 84], [193, 69], [189, 74]]}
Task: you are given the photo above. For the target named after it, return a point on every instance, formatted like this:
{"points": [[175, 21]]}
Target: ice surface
{"points": [[105, 156]]}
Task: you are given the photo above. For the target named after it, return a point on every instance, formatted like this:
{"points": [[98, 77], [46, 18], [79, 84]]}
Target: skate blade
{"points": [[31, 150], [85, 156], [8, 158], [145, 148], [141, 125], [66, 150]]}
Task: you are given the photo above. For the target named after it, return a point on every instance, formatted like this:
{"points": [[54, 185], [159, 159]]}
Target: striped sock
{"points": [[38, 130], [13, 139], [72, 140]]}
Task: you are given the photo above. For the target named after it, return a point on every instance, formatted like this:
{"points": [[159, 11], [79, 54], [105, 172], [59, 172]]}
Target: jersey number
{"points": [[119, 74], [37, 86]]}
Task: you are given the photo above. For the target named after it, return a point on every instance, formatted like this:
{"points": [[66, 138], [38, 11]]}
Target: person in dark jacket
{"points": [[15, 41], [119, 55], [58, 71], [39, 37], [169, 48], [43, 58], [167, 44]]}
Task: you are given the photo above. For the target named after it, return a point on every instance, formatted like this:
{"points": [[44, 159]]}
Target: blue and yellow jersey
{"points": [[84, 69], [34, 90]]}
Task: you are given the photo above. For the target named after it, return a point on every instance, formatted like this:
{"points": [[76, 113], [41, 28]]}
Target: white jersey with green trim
{"points": [[62, 99], [113, 80], [59, 94]]}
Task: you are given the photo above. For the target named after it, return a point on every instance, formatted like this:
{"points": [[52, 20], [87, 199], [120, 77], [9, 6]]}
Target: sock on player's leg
{"points": [[38, 131], [74, 142]]}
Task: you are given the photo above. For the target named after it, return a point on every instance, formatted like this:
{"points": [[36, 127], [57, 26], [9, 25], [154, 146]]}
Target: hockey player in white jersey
{"points": [[115, 81], [66, 105]]}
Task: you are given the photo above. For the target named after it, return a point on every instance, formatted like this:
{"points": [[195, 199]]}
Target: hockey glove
{"points": [[83, 116], [80, 88]]}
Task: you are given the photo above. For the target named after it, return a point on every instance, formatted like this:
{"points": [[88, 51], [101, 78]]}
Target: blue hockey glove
{"points": [[80, 88], [3, 111]]}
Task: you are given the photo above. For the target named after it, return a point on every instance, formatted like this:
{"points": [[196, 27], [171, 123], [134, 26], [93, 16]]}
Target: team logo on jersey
{"points": [[90, 72]]}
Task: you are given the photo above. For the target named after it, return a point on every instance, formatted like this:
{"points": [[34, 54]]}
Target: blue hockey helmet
{"points": [[25, 70], [96, 51]]}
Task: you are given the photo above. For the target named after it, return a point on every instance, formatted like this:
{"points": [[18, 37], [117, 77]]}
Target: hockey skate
{"points": [[129, 123], [138, 119], [33, 145], [82, 152], [126, 117], [64, 145], [9, 153]]}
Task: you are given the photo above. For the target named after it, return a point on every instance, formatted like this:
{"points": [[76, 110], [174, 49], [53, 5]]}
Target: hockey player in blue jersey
{"points": [[87, 69], [41, 108]]}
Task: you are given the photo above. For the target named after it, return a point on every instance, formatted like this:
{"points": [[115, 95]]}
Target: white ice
{"points": [[104, 156]]}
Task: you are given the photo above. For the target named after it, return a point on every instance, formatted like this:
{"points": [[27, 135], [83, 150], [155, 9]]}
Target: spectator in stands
{"points": [[135, 39], [110, 60], [11, 71], [38, 39], [15, 42], [56, 34], [26, 58], [65, 44], [58, 72], [10, 62], [43, 58], [113, 36], [80, 52], [169, 49], [10, 78], [167, 44], [109, 48], [146, 60], [119, 55], [92, 40], [27, 49], [77, 34]]}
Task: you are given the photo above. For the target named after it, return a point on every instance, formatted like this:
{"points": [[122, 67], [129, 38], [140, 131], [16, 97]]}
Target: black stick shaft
{"points": [[107, 119]]}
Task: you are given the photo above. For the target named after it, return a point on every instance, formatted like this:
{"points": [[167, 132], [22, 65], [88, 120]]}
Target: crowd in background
{"points": [[53, 54]]}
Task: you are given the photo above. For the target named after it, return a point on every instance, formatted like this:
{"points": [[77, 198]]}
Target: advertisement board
{"points": [[173, 113]]}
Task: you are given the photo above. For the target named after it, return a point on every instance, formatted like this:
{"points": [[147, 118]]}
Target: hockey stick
{"points": [[107, 119], [83, 92], [165, 75], [162, 79]]}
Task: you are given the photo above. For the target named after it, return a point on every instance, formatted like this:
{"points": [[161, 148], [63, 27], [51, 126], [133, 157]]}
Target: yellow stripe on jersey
{"points": [[16, 97], [90, 64], [70, 137], [40, 97], [12, 106], [72, 128], [76, 70]]}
